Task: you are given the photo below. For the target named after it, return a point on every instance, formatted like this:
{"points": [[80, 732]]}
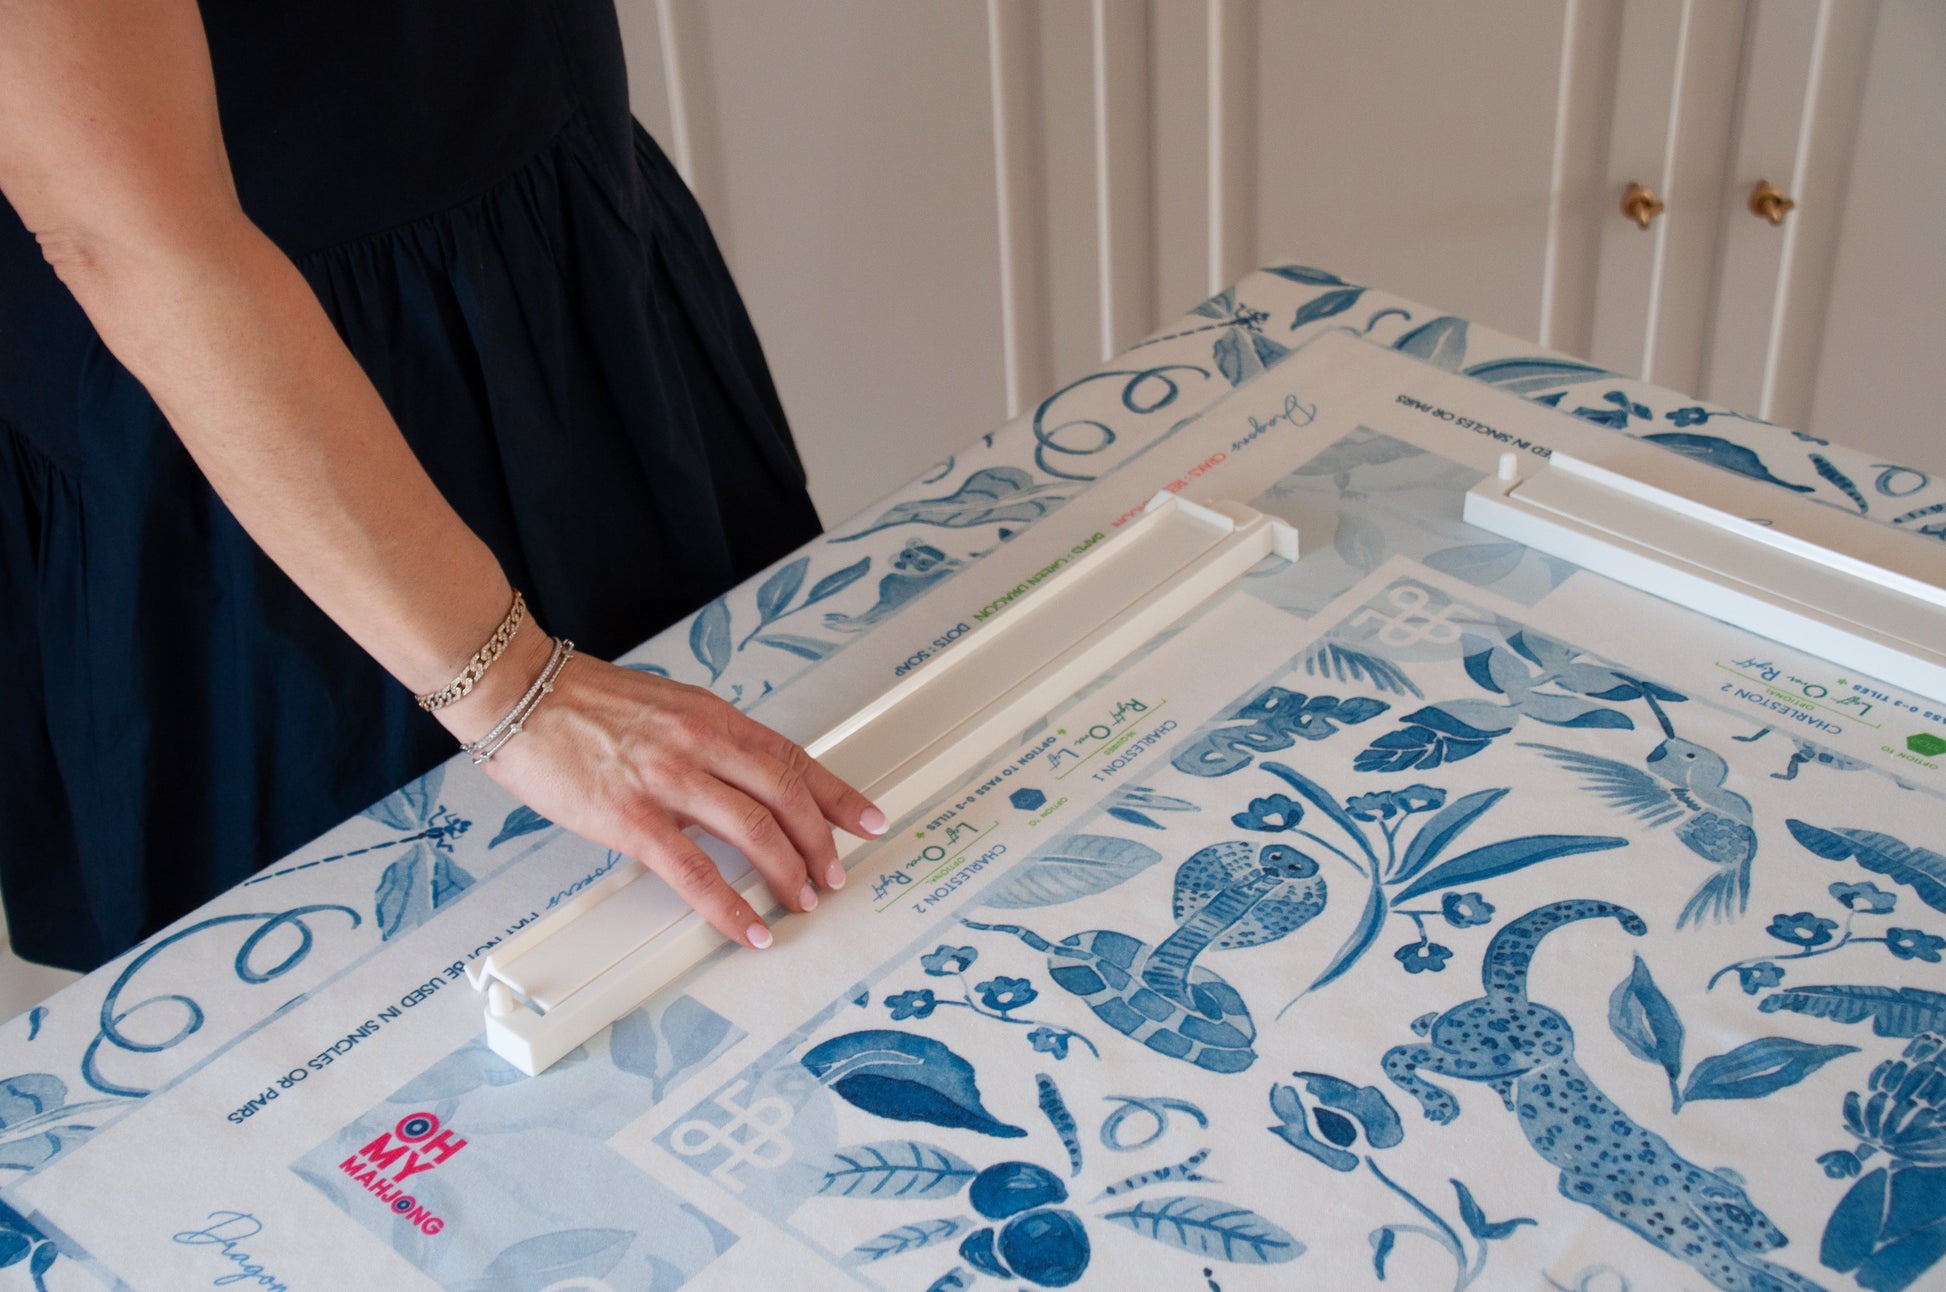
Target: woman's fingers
{"points": [[753, 829], [692, 872], [785, 785], [837, 801]]}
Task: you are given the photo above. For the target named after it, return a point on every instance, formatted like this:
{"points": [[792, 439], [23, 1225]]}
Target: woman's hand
{"points": [[628, 760]]}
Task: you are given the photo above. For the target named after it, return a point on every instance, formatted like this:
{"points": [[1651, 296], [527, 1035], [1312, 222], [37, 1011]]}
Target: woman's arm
{"points": [[111, 152]]}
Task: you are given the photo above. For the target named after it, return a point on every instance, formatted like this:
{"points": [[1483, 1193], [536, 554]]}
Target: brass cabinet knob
{"points": [[1640, 205], [1766, 201]]}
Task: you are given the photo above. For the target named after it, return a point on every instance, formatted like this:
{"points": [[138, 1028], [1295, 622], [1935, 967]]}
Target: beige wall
{"points": [[939, 212]]}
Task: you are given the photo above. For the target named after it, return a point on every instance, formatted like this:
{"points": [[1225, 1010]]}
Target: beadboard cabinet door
{"points": [[939, 213]]}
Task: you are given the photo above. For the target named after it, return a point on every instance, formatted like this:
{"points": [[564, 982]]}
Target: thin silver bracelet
{"points": [[482, 660], [509, 726]]}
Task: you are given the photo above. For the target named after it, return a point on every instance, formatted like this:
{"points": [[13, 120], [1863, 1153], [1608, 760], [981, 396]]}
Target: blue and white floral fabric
{"points": [[1425, 913]]}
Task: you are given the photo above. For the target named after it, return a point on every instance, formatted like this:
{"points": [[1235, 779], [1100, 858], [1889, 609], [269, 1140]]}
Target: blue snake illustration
{"points": [[1525, 1052], [1227, 895]]}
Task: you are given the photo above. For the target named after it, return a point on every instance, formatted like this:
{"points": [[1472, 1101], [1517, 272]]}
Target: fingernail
{"points": [[757, 936], [807, 897], [835, 877], [872, 821]]}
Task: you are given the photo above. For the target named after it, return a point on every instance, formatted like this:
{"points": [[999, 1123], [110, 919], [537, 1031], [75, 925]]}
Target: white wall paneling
{"points": [[939, 213], [1578, 188], [1878, 370], [1017, 165]]}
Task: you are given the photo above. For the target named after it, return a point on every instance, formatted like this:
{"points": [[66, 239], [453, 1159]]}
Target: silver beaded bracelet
{"points": [[509, 726]]}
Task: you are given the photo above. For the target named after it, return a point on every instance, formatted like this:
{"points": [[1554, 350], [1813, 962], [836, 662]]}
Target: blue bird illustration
{"points": [[1711, 821]]}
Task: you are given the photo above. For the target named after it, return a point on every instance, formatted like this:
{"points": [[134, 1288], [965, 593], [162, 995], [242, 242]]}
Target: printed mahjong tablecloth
{"points": [[1424, 913]]}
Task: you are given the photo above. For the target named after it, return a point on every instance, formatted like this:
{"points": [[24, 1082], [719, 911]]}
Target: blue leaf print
{"points": [[1894, 1011], [694, 1033], [1505, 858], [632, 1044], [1006, 495], [548, 1259], [1359, 542], [1308, 276], [464, 1070], [1562, 711], [1532, 376], [1326, 306], [1478, 563], [906, 1238], [1644, 1020], [709, 638], [1076, 865], [1371, 922], [1133, 817], [1840, 481], [1758, 1068], [1328, 659], [1208, 1228], [808, 647], [838, 580], [1441, 829], [410, 806], [1476, 1220], [1919, 869], [522, 820], [415, 886], [905, 1077], [1431, 737], [1441, 343], [774, 594], [901, 1169], [1719, 452]]}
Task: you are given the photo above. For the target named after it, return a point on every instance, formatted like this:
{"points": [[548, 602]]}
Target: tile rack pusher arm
{"points": [[1815, 578], [601, 954]]}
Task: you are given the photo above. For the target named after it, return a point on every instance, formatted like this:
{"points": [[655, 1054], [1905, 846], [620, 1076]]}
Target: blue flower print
{"points": [[1270, 815], [1802, 929], [1869, 898], [1885, 1231], [1758, 976], [1049, 1041], [1911, 944], [1691, 416], [1343, 1114], [1004, 994], [1423, 957], [1383, 805], [1901, 1113], [912, 1004], [945, 961], [1464, 910]]}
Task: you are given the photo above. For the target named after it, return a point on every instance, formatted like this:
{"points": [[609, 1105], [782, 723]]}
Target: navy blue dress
{"points": [[538, 300]]}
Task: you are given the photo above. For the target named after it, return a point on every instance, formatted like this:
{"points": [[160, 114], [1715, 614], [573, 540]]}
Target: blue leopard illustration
{"points": [[1629, 1174]]}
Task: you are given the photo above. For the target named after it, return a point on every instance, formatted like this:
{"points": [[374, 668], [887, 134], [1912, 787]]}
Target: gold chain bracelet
{"points": [[482, 660]]}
